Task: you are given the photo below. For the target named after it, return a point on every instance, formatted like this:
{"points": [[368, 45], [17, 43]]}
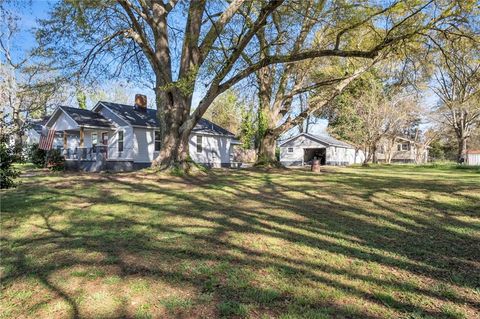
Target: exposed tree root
{"points": [[268, 163], [182, 168]]}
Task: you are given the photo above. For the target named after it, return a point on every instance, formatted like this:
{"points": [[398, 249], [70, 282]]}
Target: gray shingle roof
{"points": [[325, 139], [330, 140], [207, 127], [148, 117], [38, 124], [86, 117], [133, 115]]}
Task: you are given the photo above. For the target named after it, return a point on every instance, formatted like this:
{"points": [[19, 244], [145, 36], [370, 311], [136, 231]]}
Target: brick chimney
{"points": [[141, 101]]}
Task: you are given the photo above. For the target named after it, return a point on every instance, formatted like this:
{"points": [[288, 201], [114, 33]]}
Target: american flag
{"points": [[46, 139]]}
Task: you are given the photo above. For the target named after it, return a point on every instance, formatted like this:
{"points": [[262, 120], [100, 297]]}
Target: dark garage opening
{"points": [[310, 154]]}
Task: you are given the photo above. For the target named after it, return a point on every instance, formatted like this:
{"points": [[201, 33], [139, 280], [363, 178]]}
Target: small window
{"points": [[158, 141], [120, 141], [399, 147], [199, 144], [290, 149], [405, 147], [94, 138]]}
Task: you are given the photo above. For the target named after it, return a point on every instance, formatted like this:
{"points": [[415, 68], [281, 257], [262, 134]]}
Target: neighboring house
{"points": [[303, 148], [472, 157], [403, 151], [125, 137], [32, 135]]}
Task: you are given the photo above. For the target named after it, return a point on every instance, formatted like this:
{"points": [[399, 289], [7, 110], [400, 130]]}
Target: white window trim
{"points": [[123, 140], [155, 141], [289, 149], [201, 143]]}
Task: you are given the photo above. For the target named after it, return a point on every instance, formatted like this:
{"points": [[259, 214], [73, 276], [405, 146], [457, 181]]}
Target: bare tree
{"points": [[26, 87], [404, 114], [457, 84]]}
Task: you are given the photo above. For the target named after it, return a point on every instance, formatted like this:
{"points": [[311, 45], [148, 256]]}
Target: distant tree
{"points": [[81, 100], [474, 142], [28, 87], [226, 111], [248, 129], [367, 112], [457, 84], [310, 120], [115, 91], [436, 151]]}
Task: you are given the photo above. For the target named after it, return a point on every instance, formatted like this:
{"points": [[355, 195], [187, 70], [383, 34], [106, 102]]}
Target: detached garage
{"points": [[303, 148]]}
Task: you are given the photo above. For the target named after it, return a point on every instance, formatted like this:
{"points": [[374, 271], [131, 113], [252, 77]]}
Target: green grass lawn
{"points": [[379, 242]]}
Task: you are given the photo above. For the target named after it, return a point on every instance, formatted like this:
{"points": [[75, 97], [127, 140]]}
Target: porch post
{"points": [[82, 134], [64, 140]]}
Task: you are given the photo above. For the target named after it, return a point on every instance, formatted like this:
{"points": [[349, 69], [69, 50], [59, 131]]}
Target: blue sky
{"points": [[28, 12]]}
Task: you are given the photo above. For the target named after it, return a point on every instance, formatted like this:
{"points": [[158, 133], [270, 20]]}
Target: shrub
{"points": [[36, 155], [55, 160], [7, 172]]}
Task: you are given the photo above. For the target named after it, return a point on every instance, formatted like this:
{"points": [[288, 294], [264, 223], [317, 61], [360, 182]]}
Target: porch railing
{"points": [[93, 153]]}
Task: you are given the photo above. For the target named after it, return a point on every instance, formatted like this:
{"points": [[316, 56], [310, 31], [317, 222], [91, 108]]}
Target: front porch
{"points": [[94, 150]]}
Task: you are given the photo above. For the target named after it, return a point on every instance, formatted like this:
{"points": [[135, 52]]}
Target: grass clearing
{"points": [[377, 242]]}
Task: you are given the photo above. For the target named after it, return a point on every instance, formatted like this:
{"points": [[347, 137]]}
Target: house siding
{"points": [[294, 158], [143, 145], [342, 156], [128, 150], [216, 150], [63, 122], [473, 159]]}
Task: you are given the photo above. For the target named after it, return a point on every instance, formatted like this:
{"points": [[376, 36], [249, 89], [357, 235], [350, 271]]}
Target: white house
{"points": [[303, 148], [403, 150], [115, 136]]}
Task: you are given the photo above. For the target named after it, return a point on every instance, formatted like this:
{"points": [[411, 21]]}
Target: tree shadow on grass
{"points": [[204, 221]]}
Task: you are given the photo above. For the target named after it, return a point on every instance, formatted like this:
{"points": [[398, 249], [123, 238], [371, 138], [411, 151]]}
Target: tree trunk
{"points": [[172, 111], [368, 155], [17, 133], [266, 151], [391, 147], [462, 148], [374, 154]]}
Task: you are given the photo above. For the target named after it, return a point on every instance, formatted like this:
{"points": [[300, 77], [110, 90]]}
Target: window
{"points": [[199, 144], [290, 149], [158, 141], [405, 147], [399, 147], [94, 141], [94, 138], [120, 141]]}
